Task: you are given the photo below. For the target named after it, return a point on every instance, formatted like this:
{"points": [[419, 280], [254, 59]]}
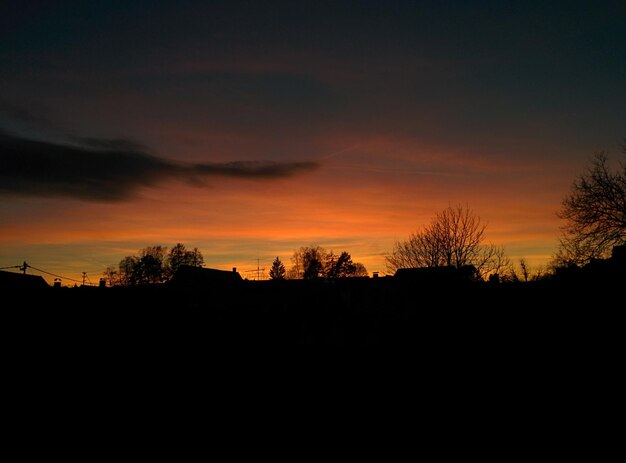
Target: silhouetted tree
{"points": [[595, 213], [179, 255], [315, 262], [313, 268], [360, 270], [526, 273], [126, 269], [340, 267], [277, 272], [295, 272], [151, 266], [454, 238], [111, 276], [308, 262], [500, 264], [524, 267], [330, 265]]}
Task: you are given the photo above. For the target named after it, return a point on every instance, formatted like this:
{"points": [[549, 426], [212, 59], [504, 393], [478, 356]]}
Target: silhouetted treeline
{"points": [[419, 307], [153, 264]]}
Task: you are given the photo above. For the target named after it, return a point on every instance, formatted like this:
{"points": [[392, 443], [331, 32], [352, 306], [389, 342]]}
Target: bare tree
{"points": [[539, 274], [111, 276], [497, 261], [524, 266], [453, 238], [296, 271], [595, 213]]}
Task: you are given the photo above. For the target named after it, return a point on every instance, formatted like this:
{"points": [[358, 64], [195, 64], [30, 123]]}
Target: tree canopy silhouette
{"points": [[180, 255], [595, 213], [453, 238], [310, 262], [277, 272], [153, 265]]}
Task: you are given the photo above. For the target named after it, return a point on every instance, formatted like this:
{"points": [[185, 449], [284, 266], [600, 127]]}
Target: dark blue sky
{"points": [[461, 69]]}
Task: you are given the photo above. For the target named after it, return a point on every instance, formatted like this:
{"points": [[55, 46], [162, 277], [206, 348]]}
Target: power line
{"points": [[26, 265], [54, 274], [12, 266]]}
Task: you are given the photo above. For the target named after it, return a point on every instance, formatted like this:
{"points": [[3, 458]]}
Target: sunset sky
{"points": [[250, 129]]}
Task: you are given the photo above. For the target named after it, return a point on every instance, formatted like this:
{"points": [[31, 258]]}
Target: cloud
{"points": [[110, 170]]}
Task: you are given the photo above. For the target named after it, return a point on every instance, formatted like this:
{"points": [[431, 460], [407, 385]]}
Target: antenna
{"points": [[258, 269]]}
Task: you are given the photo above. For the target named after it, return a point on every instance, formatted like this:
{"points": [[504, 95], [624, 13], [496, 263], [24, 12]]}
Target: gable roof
{"points": [[19, 281], [444, 274], [188, 275]]}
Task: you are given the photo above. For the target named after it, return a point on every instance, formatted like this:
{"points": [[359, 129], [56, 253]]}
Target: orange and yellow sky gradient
{"points": [[248, 130]]}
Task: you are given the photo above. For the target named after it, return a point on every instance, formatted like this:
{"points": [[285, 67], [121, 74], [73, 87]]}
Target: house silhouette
{"points": [[17, 281], [197, 277]]}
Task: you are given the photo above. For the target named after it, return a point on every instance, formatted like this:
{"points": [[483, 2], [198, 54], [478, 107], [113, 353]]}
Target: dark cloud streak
{"points": [[110, 170]]}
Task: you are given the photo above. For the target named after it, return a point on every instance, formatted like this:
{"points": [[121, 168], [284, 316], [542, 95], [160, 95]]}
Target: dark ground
{"points": [[349, 312]]}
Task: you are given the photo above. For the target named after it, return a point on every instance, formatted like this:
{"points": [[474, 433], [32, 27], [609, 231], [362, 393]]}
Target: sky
{"points": [[249, 129]]}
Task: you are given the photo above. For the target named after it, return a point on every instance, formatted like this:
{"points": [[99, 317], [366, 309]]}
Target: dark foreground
{"points": [[353, 312]]}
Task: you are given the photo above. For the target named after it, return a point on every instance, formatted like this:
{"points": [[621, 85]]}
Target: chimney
{"points": [[234, 269]]}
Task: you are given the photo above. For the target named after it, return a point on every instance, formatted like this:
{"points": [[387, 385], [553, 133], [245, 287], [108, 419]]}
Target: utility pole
{"points": [[24, 267]]}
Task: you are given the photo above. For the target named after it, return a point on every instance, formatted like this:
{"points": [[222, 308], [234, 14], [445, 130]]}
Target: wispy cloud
{"points": [[110, 170]]}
